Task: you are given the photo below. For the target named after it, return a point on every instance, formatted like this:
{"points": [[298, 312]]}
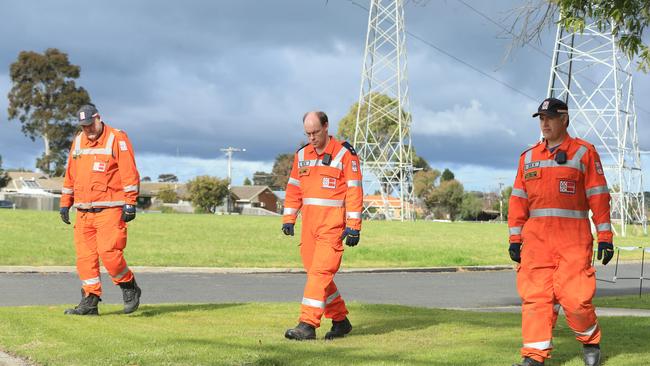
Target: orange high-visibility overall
{"points": [[101, 177], [549, 214], [329, 197]]}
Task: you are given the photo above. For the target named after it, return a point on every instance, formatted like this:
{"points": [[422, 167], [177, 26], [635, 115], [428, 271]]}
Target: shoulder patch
{"points": [[302, 147], [530, 148], [350, 148]]}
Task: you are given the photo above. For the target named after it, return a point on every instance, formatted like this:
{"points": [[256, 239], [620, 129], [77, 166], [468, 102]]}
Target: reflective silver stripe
{"points": [[294, 181], [67, 191], [529, 156], [339, 156], [354, 183], [121, 274], [575, 164], [604, 227], [556, 308], [332, 297], [318, 162], [353, 215], [131, 188], [289, 211], [313, 303], [597, 190], [90, 281], [301, 154], [519, 193], [108, 150], [322, 202], [99, 204], [580, 153], [559, 212], [77, 145], [539, 345], [516, 230], [588, 332]]}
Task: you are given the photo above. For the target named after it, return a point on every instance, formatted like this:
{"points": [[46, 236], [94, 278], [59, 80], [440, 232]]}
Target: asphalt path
{"points": [[435, 290]]}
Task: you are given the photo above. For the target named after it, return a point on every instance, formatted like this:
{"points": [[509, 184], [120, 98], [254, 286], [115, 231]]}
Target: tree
{"points": [[4, 176], [419, 163], [45, 99], [383, 128], [207, 193], [449, 195], [247, 182], [424, 182], [471, 206], [281, 171], [145, 179], [627, 20], [167, 195], [447, 175], [167, 177]]}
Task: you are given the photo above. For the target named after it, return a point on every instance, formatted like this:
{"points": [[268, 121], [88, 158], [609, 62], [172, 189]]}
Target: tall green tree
{"points": [[247, 182], [424, 182], [382, 128], [261, 178], [281, 171], [471, 206], [447, 175], [207, 193], [4, 176], [44, 99], [167, 194], [628, 20], [449, 195]]}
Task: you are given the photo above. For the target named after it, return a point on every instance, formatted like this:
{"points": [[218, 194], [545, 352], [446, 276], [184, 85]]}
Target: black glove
{"points": [[287, 229], [515, 252], [608, 249], [65, 214], [352, 237], [128, 213]]}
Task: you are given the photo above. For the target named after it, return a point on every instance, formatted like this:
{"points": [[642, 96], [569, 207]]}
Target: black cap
{"points": [[552, 107], [86, 114]]}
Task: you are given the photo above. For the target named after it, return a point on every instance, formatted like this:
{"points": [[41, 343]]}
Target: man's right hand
{"points": [[287, 229], [515, 252], [65, 214]]}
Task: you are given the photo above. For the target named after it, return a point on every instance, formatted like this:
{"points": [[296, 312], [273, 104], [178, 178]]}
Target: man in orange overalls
{"points": [[101, 182], [558, 181], [325, 185]]}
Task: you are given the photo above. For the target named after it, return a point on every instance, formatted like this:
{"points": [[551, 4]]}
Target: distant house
{"points": [[246, 197], [390, 207], [149, 191], [30, 183]]}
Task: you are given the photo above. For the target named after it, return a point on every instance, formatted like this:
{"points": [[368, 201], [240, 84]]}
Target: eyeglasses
{"points": [[309, 134]]}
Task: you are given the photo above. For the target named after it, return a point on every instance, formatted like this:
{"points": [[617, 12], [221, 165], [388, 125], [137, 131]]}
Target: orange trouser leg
{"points": [[111, 241], [321, 258], [85, 241], [575, 286]]}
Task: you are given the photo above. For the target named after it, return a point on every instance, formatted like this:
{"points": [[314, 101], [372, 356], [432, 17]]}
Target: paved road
{"points": [[448, 290]]}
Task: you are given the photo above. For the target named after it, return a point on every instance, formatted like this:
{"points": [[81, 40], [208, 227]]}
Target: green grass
{"points": [[628, 302], [40, 238], [252, 334]]}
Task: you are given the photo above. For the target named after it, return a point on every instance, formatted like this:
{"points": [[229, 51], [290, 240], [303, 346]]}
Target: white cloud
{"points": [[463, 121]]}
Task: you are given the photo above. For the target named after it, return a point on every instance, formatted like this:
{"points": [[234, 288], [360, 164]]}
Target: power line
{"points": [[458, 59]]}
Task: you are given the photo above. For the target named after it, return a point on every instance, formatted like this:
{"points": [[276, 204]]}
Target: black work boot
{"points": [[301, 332], [591, 354], [339, 329], [87, 306], [131, 295], [527, 361]]}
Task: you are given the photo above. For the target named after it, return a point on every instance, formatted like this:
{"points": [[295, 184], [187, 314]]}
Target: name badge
{"points": [[99, 166], [329, 183], [303, 171]]}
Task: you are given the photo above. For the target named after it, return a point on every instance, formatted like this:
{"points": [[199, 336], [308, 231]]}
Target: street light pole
{"points": [[229, 151]]}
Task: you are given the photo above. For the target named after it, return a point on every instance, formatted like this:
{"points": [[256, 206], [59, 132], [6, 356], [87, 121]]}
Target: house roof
{"points": [[32, 180], [152, 188], [248, 193], [376, 198]]}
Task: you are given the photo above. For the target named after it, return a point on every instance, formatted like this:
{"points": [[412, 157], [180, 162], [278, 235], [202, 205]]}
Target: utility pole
{"points": [[229, 150]]}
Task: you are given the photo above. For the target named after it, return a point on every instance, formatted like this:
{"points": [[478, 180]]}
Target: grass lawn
{"points": [[40, 238], [252, 334], [628, 302]]}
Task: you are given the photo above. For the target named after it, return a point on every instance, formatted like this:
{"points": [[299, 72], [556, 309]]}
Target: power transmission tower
{"points": [[594, 77], [383, 127]]}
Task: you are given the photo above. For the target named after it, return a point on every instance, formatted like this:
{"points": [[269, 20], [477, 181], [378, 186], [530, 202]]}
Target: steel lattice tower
{"points": [[383, 127], [594, 77]]}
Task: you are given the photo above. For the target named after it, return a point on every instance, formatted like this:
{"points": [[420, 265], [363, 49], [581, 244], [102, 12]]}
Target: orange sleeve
{"points": [[354, 195], [67, 192], [293, 195], [126, 165], [518, 205], [598, 195]]}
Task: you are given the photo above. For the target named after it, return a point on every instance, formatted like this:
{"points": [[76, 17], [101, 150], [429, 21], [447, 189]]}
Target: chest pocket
{"points": [[568, 183], [99, 173], [330, 177]]}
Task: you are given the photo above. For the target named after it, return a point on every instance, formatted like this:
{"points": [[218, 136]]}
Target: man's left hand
{"points": [[352, 236], [605, 252], [128, 213]]}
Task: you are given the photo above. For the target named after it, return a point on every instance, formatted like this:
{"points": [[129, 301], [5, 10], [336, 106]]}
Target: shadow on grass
{"points": [[146, 311]]}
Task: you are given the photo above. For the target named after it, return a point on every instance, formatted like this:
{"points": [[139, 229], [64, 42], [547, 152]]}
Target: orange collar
{"points": [[100, 139], [329, 149], [564, 145]]}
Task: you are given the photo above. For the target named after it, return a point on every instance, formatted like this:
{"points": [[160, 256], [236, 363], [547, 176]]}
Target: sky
{"points": [[185, 79]]}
